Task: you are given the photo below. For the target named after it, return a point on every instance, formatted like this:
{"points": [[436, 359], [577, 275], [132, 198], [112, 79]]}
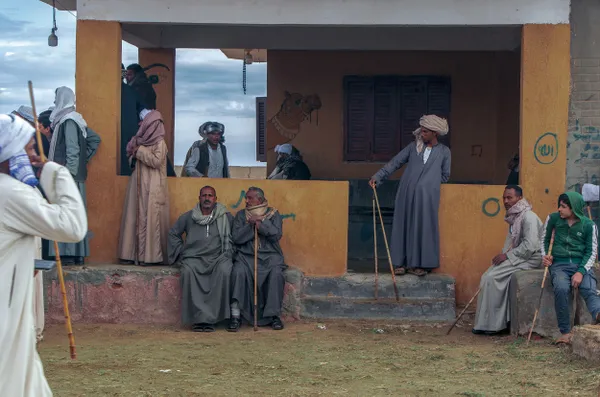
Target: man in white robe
{"points": [[522, 251], [24, 216]]}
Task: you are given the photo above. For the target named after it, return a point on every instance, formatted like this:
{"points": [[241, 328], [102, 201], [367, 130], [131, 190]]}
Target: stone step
{"points": [[362, 286], [408, 309]]}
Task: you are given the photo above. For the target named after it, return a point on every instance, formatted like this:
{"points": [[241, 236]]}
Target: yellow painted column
{"points": [[165, 89], [545, 79], [98, 91]]}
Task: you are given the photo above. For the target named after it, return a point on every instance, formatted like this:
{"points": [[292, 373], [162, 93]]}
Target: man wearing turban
{"points": [[25, 216], [415, 244]]}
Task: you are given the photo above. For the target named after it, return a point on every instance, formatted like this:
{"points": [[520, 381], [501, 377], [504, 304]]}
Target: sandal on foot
{"points": [[198, 327], [417, 271], [564, 339], [208, 328], [277, 324], [400, 271]]}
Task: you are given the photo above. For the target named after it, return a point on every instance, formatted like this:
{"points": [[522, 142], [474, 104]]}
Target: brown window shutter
{"points": [[358, 118], [261, 129], [386, 131], [413, 102], [438, 100]]}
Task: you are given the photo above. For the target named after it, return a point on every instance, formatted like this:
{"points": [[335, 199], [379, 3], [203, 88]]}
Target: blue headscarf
{"points": [[15, 134]]}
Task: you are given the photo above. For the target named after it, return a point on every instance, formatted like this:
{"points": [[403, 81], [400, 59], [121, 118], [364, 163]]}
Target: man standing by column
{"points": [[415, 243]]}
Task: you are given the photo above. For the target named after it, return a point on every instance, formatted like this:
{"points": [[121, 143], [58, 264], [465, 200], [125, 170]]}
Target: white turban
{"points": [[64, 109], [15, 133], [432, 123], [286, 148]]}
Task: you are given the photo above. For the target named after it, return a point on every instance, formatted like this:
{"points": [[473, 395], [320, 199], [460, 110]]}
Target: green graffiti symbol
{"points": [[290, 215], [239, 202]]}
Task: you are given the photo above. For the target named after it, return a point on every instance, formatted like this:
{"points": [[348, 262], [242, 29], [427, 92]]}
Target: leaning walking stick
{"points": [[59, 271], [537, 310], [463, 311], [255, 278], [375, 251], [387, 247]]}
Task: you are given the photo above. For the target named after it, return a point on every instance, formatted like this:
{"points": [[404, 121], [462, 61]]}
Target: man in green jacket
{"points": [[573, 256]]}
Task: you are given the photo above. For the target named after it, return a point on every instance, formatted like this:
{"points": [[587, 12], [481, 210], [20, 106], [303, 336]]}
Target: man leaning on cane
{"points": [[25, 214]]}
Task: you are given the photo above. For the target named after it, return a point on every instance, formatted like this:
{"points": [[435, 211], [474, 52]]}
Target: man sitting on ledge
{"points": [[521, 252], [205, 261], [271, 264], [572, 259]]}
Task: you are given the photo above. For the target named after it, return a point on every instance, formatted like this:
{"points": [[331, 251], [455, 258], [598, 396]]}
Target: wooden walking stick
{"points": [[375, 251], [463, 311], [387, 247], [59, 271], [537, 310], [255, 278]]}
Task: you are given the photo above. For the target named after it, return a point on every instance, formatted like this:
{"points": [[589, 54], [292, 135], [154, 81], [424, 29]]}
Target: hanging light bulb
{"points": [[53, 38], [248, 58]]}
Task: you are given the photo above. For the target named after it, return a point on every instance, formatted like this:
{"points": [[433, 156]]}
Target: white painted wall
{"points": [[329, 12]]}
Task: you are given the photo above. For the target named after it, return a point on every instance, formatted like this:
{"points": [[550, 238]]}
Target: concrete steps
{"points": [[429, 298]]}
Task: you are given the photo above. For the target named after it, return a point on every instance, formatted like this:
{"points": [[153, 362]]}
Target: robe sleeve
{"points": [[153, 156], [242, 231], [530, 243], [176, 243], [446, 166], [92, 142], [190, 167], [72, 144], [272, 228], [395, 164], [62, 218]]}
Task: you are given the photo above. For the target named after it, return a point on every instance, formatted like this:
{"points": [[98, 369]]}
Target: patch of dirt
{"points": [[345, 359]]}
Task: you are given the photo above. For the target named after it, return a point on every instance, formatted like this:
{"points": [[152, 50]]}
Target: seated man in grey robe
{"points": [[205, 259], [271, 265], [521, 252]]}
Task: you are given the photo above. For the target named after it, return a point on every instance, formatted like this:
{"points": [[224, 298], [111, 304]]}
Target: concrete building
{"points": [[348, 81]]}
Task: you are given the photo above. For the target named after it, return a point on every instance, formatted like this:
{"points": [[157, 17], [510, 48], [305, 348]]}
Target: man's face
{"points": [[282, 156], [44, 130], [214, 138], [564, 211], [252, 199], [129, 75], [510, 198], [427, 135], [30, 149], [208, 198]]}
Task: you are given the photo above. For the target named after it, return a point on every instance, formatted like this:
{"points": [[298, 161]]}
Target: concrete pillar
{"points": [[545, 66], [165, 89], [98, 91]]}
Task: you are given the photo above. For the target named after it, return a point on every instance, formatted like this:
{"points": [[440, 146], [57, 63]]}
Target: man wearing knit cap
{"points": [[415, 244]]}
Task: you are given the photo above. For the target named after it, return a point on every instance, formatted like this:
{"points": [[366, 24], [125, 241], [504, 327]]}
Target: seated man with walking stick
{"points": [[24, 216], [205, 259], [267, 258], [521, 252], [572, 259]]}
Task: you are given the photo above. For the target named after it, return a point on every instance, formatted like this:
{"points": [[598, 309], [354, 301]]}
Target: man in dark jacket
{"points": [[207, 158], [289, 164]]}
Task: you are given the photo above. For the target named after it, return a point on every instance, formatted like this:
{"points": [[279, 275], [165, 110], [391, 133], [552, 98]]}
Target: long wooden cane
{"points": [[59, 270], [255, 278], [375, 251], [387, 247], [463, 311], [537, 310]]}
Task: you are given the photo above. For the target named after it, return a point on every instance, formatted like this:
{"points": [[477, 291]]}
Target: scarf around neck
{"points": [[218, 215], [262, 211], [514, 217], [150, 133]]}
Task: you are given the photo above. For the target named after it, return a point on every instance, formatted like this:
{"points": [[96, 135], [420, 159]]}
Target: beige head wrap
{"points": [[432, 123]]}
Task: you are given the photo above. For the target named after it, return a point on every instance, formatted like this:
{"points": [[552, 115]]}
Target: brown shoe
{"points": [[417, 271], [400, 271], [565, 339]]}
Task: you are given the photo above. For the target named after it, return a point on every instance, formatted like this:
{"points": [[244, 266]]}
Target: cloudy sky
{"points": [[208, 86]]}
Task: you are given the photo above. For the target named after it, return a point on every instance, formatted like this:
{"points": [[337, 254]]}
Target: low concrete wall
{"points": [[134, 295], [239, 172]]}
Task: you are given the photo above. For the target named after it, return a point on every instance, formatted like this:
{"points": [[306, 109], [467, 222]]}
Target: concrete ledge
{"points": [[524, 293], [130, 294], [586, 342]]}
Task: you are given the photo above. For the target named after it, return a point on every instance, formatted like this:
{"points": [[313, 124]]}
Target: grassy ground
{"points": [[346, 359]]}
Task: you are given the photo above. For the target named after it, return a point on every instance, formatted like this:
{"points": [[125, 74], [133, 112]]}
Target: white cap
{"points": [[285, 148]]}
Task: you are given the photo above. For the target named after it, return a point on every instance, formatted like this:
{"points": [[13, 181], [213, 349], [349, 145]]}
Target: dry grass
{"points": [[346, 359]]}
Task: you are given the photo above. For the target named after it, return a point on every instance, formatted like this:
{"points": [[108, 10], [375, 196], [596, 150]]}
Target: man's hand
{"points": [[373, 183], [498, 259], [547, 260], [255, 220], [576, 279]]}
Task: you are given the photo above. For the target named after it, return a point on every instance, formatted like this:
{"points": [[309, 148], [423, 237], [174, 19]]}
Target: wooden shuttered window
{"points": [[381, 113], [261, 129]]}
